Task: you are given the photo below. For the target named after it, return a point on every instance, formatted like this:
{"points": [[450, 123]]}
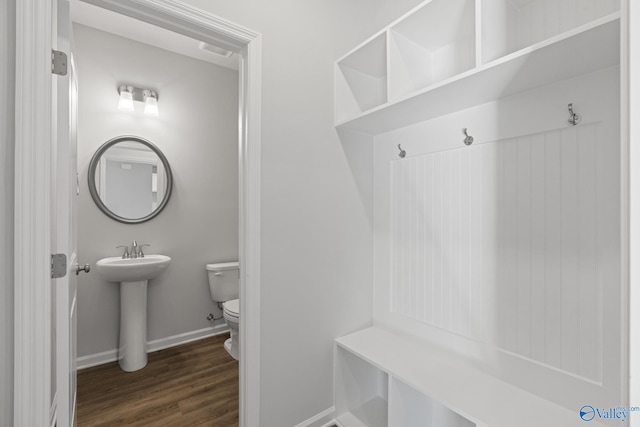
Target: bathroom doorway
{"points": [[186, 20]]}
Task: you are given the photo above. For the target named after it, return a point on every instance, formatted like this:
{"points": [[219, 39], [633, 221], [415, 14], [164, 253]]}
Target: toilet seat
{"points": [[232, 308]]}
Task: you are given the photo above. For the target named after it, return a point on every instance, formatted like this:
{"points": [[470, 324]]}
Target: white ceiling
{"points": [[111, 22]]}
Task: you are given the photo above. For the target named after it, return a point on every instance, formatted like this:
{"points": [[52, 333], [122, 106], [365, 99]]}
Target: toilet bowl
{"points": [[224, 285], [231, 313]]}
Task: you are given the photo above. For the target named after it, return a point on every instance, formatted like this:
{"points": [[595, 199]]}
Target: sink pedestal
{"points": [[132, 352], [133, 274]]}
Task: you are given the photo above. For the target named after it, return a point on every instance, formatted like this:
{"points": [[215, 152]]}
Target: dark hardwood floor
{"points": [[194, 384]]}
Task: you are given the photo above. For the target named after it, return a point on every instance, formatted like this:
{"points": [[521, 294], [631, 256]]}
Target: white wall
{"points": [[7, 78], [504, 250], [197, 132], [316, 232]]}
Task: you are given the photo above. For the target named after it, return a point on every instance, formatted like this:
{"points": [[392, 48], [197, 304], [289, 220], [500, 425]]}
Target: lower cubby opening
{"points": [[361, 392], [367, 396], [409, 407]]}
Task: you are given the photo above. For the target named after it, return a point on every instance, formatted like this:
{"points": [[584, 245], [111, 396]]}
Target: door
{"points": [[64, 194]]}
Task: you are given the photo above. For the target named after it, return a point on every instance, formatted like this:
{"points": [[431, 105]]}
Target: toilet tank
{"points": [[224, 281]]}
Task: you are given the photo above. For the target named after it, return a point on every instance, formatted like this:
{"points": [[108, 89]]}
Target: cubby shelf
{"points": [[415, 95], [427, 382]]}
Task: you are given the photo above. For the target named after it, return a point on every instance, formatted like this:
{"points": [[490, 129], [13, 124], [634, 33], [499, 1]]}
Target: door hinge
{"points": [[58, 266], [58, 63]]}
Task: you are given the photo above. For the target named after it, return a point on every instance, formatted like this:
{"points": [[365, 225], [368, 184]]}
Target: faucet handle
{"points": [[125, 254], [140, 253]]}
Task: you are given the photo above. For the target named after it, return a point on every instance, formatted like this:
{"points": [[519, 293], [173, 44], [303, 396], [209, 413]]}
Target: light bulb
{"points": [[151, 104], [126, 99]]}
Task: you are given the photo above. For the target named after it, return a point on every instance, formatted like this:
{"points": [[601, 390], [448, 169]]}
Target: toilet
{"points": [[224, 284]]}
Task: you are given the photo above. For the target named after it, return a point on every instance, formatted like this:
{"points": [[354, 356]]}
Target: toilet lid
{"points": [[232, 307]]}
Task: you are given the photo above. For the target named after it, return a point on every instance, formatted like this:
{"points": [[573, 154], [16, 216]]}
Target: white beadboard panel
{"points": [[538, 239], [7, 197], [587, 299], [570, 211], [523, 246], [499, 242], [541, 264]]}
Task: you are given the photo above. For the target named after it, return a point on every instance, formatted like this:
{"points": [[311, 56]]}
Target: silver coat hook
{"points": [[468, 139], [402, 153], [574, 118]]}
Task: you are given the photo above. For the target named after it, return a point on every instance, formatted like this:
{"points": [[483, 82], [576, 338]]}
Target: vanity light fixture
{"points": [[150, 102], [129, 94], [126, 98]]}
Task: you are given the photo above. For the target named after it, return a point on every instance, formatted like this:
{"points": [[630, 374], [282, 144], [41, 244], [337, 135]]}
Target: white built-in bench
{"points": [[383, 379]]}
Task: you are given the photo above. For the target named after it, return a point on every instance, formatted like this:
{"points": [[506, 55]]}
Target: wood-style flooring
{"points": [[194, 384]]}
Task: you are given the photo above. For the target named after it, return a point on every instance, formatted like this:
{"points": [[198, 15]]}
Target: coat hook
{"points": [[574, 118], [402, 153], [468, 140]]}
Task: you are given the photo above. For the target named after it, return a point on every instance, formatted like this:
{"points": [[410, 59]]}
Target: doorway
{"points": [[33, 392], [195, 132]]}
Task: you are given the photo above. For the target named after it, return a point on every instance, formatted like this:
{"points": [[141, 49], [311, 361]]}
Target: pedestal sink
{"points": [[133, 275]]}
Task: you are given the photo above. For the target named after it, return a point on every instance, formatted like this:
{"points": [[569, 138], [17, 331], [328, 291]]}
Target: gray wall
{"points": [[7, 79], [197, 131], [316, 231], [316, 280]]}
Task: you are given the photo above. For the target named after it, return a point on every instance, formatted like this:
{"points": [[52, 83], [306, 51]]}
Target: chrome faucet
{"points": [[134, 252]]}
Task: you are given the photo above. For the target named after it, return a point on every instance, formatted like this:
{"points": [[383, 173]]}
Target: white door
{"points": [[64, 222]]}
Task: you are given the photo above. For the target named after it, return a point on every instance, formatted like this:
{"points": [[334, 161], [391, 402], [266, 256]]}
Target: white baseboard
{"points": [[155, 345], [97, 359], [323, 419], [187, 337], [53, 411]]}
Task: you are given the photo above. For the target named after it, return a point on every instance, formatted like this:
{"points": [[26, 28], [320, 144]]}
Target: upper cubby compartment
{"points": [[449, 55], [511, 25], [435, 42], [361, 79]]}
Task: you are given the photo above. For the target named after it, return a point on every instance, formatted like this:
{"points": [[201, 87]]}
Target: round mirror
{"points": [[130, 179]]}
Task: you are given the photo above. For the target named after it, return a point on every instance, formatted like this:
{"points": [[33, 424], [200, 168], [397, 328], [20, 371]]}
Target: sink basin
{"points": [[117, 269]]}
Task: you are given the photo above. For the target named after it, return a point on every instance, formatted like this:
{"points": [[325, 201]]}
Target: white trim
{"points": [[185, 338], [184, 19], [32, 244], [109, 356], [631, 133], [249, 248], [53, 412], [323, 419], [97, 359], [32, 210]]}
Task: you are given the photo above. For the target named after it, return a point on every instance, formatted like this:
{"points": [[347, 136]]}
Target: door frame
{"points": [[33, 106], [630, 93]]}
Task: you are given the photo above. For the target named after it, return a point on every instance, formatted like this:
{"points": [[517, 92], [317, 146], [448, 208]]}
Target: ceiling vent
{"points": [[215, 49]]}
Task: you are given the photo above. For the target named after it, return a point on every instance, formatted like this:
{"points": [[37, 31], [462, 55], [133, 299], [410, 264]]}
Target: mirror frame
{"points": [[93, 164]]}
